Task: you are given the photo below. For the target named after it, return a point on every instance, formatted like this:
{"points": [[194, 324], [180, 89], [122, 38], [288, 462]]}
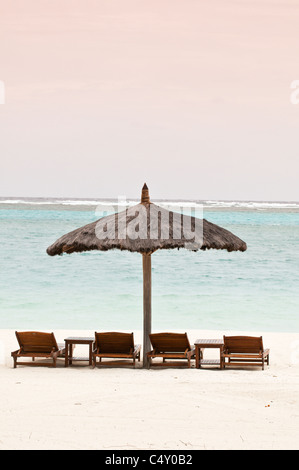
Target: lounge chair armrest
{"points": [[15, 353], [61, 349], [266, 352], [137, 349], [191, 352]]}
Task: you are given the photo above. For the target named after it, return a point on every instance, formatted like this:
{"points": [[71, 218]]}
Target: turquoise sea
{"points": [[257, 290]]}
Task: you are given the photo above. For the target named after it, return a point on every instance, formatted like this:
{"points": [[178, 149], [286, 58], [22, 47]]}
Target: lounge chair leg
{"points": [[263, 362]]}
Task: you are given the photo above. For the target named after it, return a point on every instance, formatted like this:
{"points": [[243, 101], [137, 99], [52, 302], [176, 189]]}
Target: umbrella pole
{"points": [[147, 305]]}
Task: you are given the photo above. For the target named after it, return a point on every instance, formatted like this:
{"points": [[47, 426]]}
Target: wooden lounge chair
{"points": [[170, 346], [244, 351], [35, 344], [115, 346]]}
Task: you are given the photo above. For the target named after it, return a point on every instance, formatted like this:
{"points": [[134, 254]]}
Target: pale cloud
{"points": [[25, 92], [201, 90]]}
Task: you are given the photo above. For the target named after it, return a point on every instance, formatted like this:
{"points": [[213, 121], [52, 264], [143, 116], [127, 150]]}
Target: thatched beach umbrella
{"points": [[145, 228]]}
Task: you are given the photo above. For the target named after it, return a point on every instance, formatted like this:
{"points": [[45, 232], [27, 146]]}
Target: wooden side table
{"points": [[208, 344], [69, 348]]}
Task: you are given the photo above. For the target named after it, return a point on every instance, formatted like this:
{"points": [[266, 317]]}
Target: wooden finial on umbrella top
{"points": [[145, 194]]}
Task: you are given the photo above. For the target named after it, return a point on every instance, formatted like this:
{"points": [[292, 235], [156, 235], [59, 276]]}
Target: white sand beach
{"points": [[122, 408]]}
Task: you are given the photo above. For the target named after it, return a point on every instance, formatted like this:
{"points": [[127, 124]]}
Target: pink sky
{"points": [[191, 96]]}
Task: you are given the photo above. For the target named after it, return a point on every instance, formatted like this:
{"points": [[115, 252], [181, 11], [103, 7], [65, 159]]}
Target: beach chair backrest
{"points": [[243, 344], [114, 342], [36, 341], [170, 342]]}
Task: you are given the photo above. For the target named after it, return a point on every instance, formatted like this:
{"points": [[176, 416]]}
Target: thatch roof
{"points": [[145, 228]]}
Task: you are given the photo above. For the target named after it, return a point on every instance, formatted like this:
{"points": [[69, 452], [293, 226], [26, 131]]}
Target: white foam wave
{"points": [[173, 204], [252, 204]]}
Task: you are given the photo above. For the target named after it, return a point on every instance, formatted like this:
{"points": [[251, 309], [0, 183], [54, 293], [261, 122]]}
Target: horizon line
{"points": [[138, 199]]}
